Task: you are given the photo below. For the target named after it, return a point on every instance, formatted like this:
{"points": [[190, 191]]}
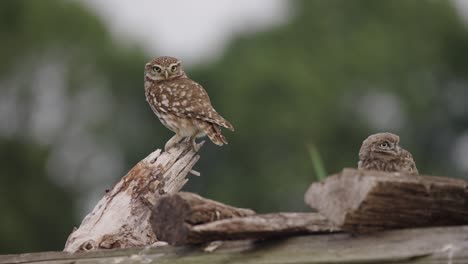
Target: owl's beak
{"points": [[166, 74]]}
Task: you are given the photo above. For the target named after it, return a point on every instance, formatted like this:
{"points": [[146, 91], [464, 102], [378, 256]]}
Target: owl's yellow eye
{"points": [[384, 145], [156, 69], [174, 68]]}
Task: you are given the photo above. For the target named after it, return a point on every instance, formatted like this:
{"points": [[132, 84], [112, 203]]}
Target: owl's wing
{"points": [[200, 107], [408, 162], [187, 98]]}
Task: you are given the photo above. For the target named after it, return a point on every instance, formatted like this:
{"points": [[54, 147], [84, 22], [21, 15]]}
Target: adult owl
{"points": [[382, 152], [181, 104]]}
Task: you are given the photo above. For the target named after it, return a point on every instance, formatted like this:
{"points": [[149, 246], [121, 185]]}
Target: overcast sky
{"points": [[462, 8], [188, 29], [194, 30]]}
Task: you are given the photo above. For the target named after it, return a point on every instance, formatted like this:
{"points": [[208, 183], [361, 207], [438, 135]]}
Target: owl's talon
{"points": [[172, 142], [167, 148], [196, 147], [169, 145]]}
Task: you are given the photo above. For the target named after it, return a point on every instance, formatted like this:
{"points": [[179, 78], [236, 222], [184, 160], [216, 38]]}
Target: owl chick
{"points": [[181, 104], [382, 152]]}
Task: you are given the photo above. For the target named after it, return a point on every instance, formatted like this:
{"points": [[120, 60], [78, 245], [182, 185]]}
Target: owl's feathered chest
{"points": [[169, 102], [389, 165], [170, 95], [184, 100]]}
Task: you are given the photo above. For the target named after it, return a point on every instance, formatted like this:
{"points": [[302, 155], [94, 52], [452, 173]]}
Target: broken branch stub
{"points": [[121, 217]]}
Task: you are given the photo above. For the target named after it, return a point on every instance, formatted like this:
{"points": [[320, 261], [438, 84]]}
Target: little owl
{"points": [[382, 152], [182, 105]]}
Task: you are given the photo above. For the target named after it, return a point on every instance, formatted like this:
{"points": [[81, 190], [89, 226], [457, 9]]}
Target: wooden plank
{"points": [[364, 201], [262, 226], [121, 217], [187, 218], [410, 246]]}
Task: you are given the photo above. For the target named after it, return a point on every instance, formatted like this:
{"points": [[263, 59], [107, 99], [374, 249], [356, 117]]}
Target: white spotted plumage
{"points": [[181, 104]]}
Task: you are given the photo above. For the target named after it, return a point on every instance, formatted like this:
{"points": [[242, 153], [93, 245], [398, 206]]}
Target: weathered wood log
{"points": [[192, 209], [186, 218], [261, 226], [121, 217], [407, 246], [365, 201], [174, 214]]}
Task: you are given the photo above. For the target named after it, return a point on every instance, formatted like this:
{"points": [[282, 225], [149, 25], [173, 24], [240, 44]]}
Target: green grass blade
{"points": [[317, 162]]}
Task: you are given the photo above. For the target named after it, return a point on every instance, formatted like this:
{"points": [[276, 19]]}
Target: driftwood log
{"points": [[365, 201], [186, 218], [121, 217]]}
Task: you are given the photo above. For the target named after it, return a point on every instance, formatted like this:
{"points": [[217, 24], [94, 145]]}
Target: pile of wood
{"points": [[146, 207], [187, 218]]}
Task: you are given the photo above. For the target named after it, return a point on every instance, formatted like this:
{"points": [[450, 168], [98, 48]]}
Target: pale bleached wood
{"points": [[364, 201], [121, 217]]}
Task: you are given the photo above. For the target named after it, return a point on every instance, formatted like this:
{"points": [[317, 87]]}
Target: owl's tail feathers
{"points": [[228, 125], [214, 133], [217, 119]]}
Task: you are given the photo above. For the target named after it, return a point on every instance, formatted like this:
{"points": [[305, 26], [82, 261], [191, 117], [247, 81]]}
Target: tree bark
{"points": [[365, 201], [186, 218], [121, 217]]}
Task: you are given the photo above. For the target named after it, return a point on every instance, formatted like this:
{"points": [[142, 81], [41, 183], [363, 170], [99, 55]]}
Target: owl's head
{"points": [[163, 68], [380, 145]]}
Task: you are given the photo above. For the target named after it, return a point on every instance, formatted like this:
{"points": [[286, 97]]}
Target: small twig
{"points": [[212, 246], [195, 173]]}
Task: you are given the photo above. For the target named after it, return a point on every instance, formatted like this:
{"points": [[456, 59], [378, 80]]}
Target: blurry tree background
{"points": [[73, 118]]}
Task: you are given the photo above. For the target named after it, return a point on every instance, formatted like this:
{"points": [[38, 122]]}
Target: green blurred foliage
{"points": [[284, 88], [36, 213], [301, 83]]}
